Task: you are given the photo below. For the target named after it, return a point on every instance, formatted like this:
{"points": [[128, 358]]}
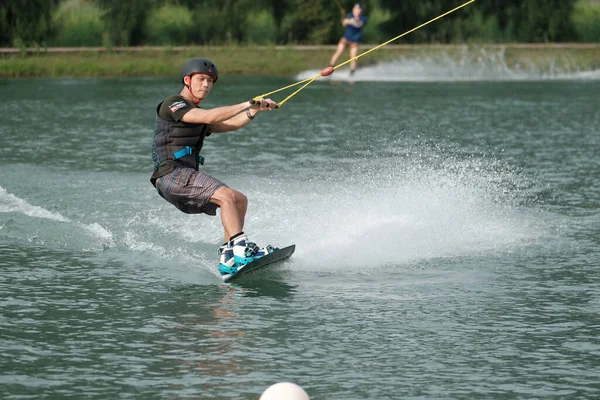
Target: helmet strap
{"points": [[195, 100]]}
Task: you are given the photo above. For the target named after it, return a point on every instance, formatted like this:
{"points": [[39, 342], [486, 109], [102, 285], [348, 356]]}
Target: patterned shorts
{"points": [[189, 190]]}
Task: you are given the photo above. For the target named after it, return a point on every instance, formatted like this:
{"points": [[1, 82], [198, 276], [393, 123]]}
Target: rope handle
{"points": [[258, 100]]}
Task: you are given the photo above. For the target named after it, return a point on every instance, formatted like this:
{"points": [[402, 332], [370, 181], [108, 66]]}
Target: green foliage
{"points": [[236, 12], [545, 22], [260, 27], [372, 32], [78, 23], [125, 20], [586, 20], [285, 33], [313, 22], [169, 25], [26, 23], [23, 25], [521, 20], [208, 28], [476, 28]]}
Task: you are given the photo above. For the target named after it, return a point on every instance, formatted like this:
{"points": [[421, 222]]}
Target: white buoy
{"points": [[284, 391]]}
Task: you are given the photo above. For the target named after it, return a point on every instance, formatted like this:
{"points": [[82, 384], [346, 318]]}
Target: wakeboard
{"points": [[260, 263]]}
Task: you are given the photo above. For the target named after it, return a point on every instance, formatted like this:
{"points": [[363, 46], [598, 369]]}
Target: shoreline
{"points": [[277, 60]]}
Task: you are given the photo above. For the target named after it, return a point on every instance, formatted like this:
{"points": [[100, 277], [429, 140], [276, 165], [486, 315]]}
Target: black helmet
{"points": [[199, 65]]}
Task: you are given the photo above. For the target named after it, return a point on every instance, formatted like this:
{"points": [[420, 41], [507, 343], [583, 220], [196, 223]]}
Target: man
{"points": [[181, 126], [354, 22]]}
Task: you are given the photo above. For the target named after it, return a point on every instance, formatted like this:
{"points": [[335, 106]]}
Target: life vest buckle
{"points": [[188, 151]]}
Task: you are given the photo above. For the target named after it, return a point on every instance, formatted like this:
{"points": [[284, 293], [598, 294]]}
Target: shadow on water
{"points": [[259, 285]]}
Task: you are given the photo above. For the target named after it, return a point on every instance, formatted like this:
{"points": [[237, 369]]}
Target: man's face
{"points": [[201, 85], [356, 11]]}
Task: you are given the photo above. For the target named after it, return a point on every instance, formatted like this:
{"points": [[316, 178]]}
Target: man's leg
{"points": [[353, 53], [340, 49], [233, 206]]}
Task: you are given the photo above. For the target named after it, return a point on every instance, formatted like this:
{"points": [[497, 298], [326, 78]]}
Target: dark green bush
{"points": [[372, 32], [477, 28], [169, 25], [78, 23], [260, 27], [586, 20]]}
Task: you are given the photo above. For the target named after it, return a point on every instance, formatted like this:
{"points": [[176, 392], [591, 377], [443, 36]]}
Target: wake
{"points": [[22, 220], [483, 65]]}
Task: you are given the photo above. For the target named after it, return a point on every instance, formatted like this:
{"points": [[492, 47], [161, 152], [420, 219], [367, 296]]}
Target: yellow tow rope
{"points": [[308, 81]]}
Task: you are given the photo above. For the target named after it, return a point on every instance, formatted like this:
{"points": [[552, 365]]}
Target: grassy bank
{"points": [[280, 61]]}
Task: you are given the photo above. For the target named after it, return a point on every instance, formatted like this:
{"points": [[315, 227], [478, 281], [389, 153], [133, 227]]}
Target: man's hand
{"points": [[263, 105]]}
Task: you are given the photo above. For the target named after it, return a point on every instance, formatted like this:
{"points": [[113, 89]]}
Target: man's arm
{"points": [[241, 119], [355, 22], [232, 124], [215, 115]]}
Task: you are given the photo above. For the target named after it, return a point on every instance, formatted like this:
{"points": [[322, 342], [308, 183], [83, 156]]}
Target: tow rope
{"points": [[329, 70]]}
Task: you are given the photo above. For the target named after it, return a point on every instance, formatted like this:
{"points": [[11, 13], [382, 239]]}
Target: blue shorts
{"points": [[352, 38]]}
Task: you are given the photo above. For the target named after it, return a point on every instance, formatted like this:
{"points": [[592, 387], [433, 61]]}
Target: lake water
{"points": [[447, 233]]}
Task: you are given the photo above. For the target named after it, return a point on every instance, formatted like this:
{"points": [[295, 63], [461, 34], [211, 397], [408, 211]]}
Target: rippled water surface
{"points": [[447, 240]]}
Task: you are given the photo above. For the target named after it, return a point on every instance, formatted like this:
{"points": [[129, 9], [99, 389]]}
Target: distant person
{"points": [[354, 23], [181, 126]]}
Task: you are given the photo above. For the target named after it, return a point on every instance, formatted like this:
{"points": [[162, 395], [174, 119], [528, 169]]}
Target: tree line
{"points": [[186, 22]]}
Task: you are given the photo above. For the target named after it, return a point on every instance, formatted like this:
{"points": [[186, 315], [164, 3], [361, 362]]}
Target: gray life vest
{"points": [[176, 144]]}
